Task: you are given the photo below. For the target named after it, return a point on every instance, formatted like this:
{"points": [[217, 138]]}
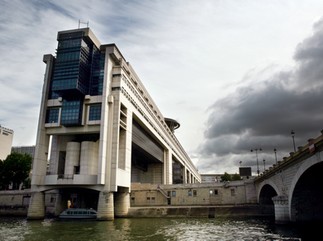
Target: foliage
{"points": [[228, 177], [225, 177], [236, 177], [15, 170]]}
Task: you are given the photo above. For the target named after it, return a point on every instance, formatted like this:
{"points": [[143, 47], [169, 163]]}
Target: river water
{"points": [[152, 229]]}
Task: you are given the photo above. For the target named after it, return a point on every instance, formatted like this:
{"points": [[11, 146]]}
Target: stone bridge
{"points": [[294, 186]]}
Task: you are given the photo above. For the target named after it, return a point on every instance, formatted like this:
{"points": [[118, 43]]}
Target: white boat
{"points": [[78, 213]]}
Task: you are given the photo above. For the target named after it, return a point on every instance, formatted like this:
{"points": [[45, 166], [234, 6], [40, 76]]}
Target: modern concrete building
{"points": [[6, 137], [99, 131]]}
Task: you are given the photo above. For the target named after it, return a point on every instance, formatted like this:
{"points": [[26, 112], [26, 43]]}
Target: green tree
{"points": [[230, 177], [236, 177], [15, 170], [225, 177]]}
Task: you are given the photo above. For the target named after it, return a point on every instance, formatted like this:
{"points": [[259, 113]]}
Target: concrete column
{"points": [[36, 208], [42, 142], [72, 157], [281, 209], [89, 158], [168, 168], [184, 175], [122, 204], [105, 206], [60, 206], [189, 177]]}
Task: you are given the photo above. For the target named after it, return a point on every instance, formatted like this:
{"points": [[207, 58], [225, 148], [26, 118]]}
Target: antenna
{"points": [[81, 22]]}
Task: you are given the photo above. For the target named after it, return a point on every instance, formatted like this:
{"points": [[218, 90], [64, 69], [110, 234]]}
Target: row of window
{"points": [[190, 193], [71, 113], [79, 66]]}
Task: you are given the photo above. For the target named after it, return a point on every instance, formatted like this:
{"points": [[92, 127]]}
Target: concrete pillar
{"points": [[105, 206], [59, 205], [184, 175], [281, 209], [89, 158], [168, 167], [72, 157], [122, 204], [189, 177], [36, 208]]}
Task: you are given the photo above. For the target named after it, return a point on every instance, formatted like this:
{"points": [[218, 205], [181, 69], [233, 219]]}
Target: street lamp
{"points": [[275, 150], [293, 136], [264, 165], [256, 150]]}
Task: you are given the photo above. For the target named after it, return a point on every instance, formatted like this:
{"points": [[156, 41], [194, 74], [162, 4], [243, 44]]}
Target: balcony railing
{"points": [[65, 176]]}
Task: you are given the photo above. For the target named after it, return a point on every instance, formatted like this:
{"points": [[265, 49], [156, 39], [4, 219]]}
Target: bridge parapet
{"points": [[303, 153], [293, 186]]}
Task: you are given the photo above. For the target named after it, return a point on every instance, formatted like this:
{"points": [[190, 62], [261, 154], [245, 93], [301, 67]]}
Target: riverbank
{"points": [[15, 203], [201, 211], [172, 211]]}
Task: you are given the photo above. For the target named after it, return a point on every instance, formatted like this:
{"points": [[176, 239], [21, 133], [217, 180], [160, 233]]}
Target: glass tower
{"points": [[78, 71]]}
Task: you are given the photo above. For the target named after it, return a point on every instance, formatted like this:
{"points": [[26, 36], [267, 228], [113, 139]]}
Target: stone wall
{"points": [[230, 193], [14, 203], [197, 199]]}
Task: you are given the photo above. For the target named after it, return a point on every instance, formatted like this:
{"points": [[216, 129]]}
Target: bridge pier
{"points": [[105, 206], [36, 208], [281, 209], [122, 203]]}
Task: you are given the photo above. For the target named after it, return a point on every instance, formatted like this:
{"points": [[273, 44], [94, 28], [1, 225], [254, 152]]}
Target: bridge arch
{"points": [[266, 189], [266, 194], [306, 191]]}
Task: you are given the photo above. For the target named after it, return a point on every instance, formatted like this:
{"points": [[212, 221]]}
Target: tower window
{"points": [[95, 112], [52, 115]]}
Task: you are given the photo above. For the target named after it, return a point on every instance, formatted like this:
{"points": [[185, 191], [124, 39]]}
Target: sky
{"points": [[237, 75]]}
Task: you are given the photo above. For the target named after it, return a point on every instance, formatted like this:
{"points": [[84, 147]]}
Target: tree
{"points": [[228, 177], [236, 177], [15, 170], [225, 177]]}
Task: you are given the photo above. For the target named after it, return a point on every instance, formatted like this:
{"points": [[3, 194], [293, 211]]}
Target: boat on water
{"points": [[78, 213]]}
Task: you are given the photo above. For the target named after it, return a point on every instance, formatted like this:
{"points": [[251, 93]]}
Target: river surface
{"points": [[153, 229]]}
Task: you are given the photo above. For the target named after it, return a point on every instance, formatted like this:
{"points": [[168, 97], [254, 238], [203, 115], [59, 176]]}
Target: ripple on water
{"points": [[192, 230]]}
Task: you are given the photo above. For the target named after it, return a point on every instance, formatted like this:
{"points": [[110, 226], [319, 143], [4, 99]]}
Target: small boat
{"points": [[78, 213]]}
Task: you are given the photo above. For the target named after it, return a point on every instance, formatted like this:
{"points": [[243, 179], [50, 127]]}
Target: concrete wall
{"points": [[233, 193], [251, 210], [14, 203]]}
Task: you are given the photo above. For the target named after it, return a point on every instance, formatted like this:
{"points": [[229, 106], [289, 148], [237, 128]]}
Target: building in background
{"points": [[24, 150], [99, 131], [6, 137], [211, 178]]}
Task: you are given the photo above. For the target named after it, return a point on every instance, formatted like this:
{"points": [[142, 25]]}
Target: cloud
{"points": [[188, 54], [262, 112]]}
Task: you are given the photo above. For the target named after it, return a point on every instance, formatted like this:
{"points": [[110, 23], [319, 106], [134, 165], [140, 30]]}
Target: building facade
{"points": [[6, 137], [99, 131], [30, 150], [211, 178]]}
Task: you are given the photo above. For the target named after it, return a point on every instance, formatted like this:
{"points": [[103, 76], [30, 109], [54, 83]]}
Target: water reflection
{"points": [[150, 229]]}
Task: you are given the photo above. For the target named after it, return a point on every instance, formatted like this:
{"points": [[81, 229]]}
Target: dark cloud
{"points": [[263, 112]]}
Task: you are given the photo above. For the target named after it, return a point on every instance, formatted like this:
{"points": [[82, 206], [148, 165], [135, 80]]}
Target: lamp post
{"points": [[293, 136], [264, 165], [275, 150], [256, 150]]}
